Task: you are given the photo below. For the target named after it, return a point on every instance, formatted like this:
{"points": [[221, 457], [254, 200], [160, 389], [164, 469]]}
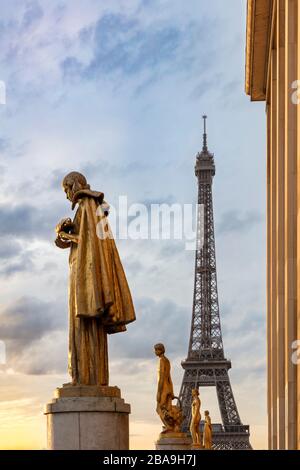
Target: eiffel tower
{"points": [[206, 365]]}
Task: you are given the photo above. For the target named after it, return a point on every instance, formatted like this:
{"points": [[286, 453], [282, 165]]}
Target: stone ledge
{"points": [[259, 19], [87, 404], [179, 442], [69, 390]]}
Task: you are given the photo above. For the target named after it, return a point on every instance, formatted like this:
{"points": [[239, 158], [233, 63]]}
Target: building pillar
{"points": [[269, 277], [273, 74], [280, 249], [297, 405], [272, 265], [290, 211]]}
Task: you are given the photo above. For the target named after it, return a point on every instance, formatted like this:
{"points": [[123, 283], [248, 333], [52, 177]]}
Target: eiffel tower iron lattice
{"points": [[206, 364]]}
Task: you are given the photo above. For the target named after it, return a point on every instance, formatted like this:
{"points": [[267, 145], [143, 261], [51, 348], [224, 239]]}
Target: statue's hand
{"points": [[60, 227], [62, 243], [63, 235], [68, 237]]}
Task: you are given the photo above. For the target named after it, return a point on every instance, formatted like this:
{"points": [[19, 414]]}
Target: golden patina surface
{"points": [[100, 302], [196, 418], [207, 435], [259, 18], [171, 415]]}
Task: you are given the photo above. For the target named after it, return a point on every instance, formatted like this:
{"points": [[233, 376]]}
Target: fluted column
{"points": [[297, 404], [280, 203], [290, 211], [272, 315]]}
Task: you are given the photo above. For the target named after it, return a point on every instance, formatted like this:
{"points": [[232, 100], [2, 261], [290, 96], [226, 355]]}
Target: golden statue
{"points": [[100, 302], [171, 415], [207, 431], [196, 418]]}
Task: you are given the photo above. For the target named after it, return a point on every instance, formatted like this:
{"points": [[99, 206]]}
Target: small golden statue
{"points": [[99, 297], [195, 421], [207, 431], [171, 415]]}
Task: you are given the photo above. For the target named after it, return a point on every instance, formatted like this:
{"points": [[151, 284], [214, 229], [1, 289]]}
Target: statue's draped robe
{"points": [[99, 298], [167, 393], [207, 433], [195, 421]]}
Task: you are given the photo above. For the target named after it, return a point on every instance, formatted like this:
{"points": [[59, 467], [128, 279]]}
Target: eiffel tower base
{"points": [[173, 441]]}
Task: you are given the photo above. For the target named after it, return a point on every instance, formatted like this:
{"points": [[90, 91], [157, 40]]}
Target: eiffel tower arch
{"points": [[206, 365]]}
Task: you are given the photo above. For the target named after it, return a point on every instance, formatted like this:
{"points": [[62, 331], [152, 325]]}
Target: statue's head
{"points": [[195, 392], [74, 182], [206, 412], [159, 349]]}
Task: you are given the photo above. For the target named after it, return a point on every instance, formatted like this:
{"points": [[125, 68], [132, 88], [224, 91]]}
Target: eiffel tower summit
{"points": [[206, 365]]}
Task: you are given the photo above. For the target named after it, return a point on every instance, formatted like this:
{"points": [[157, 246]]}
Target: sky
{"points": [[116, 89]]}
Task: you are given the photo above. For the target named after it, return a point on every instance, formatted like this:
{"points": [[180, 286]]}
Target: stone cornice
{"points": [[259, 13]]}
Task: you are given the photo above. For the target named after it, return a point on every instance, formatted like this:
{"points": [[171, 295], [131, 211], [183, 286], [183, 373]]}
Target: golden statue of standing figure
{"points": [[207, 431], [171, 415], [100, 302], [195, 420]]}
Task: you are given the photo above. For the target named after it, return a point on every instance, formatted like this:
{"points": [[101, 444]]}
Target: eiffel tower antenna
{"points": [[204, 148], [206, 365]]}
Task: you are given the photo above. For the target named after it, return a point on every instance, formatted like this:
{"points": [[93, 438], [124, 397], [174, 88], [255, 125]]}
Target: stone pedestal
{"points": [[173, 441], [87, 418], [196, 447]]}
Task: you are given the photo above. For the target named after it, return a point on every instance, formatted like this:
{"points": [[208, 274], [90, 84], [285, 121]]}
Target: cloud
{"points": [[235, 221], [121, 44], [157, 321], [28, 319], [71, 68], [45, 356], [21, 226], [32, 14], [171, 248], [27, 221], [9, 248], [4, 144], [205, 84], [15, 258], [13, 149], [106, 168], [55, 178], [164, 199], [126, 47], [28, 328], [134, 266], [23, 263], [249, 320], [19, 220]]}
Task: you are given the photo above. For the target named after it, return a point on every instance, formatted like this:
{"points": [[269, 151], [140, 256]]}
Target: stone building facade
{"points": [[272, 74]]}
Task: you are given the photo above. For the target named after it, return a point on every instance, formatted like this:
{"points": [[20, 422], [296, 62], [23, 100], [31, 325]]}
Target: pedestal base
{"points": [[87, 418], [172, 441], [197, 447]]}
